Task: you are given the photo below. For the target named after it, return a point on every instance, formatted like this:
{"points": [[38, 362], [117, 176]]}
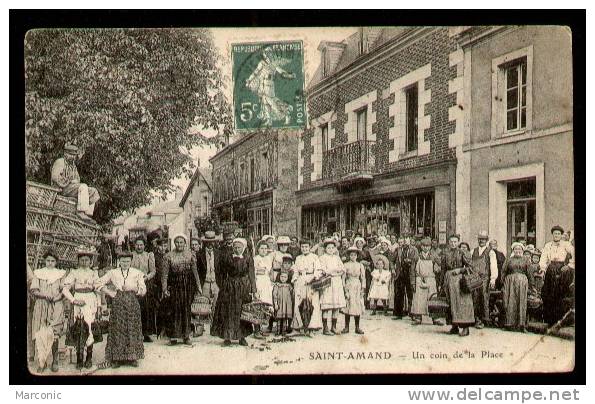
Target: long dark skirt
{"points": [[149, 308], [125, 338], [514, 297], [551, 294], [228, 309], [461, 304], [181, 288]]}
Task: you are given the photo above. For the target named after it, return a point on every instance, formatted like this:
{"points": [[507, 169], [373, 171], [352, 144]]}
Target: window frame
{"points": [[517, 65], [499, 92], [326, 144], [361, 112], [409, 108]]}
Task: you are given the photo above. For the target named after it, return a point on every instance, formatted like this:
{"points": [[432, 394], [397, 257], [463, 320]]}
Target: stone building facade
{"points": [[254, 182], [378, 156], [514, 140]]}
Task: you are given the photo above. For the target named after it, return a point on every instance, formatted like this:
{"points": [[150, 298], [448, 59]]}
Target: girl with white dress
{"points": [[332, 298], [263, 270], [380, 279]]}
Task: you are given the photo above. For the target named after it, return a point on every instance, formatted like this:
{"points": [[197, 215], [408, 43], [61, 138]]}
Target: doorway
{"points": [[521, 212]]}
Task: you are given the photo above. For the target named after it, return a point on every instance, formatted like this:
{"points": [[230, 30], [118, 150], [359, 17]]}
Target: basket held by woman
{"points": [[321, 283], [438, 306], [257, 312], [201, 306]]}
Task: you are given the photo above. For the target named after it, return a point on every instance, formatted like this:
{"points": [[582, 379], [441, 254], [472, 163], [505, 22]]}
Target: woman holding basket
{"points": [[237, 287]]}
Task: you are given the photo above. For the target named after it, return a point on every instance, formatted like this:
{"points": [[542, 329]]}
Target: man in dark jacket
{"points": [[406, 258]]}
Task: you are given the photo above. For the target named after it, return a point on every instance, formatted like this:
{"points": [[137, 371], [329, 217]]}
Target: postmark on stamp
{"points": [[268, 85]]}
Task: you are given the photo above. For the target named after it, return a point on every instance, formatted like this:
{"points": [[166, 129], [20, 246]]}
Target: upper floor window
{"points": [[411, 94], [516, 95], [512, 93], [326, 145], [205, 202], [252, 173], [362, 123]]}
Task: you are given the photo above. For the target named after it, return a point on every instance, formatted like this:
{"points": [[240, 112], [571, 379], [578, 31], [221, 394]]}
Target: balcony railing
{"points": [[349, 159]]}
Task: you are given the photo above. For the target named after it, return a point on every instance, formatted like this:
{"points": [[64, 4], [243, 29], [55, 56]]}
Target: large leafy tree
{"points": [[128, 98]]}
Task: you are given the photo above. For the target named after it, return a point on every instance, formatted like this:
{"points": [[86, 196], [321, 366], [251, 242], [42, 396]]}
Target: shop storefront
{"points": [[413, 214], [419, 201]]}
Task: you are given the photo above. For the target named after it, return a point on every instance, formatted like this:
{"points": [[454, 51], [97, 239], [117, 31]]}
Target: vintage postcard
{"points": [[314, 200]]}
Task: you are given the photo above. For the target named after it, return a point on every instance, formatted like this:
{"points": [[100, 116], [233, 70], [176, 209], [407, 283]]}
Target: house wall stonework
{"points": [[432, 49]]}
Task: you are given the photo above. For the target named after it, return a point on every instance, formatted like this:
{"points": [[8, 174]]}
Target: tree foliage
{"points": [[128, 98]]}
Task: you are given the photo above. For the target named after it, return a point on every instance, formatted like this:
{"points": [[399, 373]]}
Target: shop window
{"points": [[412, 213], [259, 222]]}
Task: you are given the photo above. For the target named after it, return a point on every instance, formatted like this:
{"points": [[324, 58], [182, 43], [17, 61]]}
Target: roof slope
{"points": [[206, 174], [351, 52]]}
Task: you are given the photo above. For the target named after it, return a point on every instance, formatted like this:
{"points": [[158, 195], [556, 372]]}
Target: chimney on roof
{"points": [[367, 38], [330, 53]]}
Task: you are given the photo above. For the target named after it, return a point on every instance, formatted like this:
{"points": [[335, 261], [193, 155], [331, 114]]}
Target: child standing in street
{"points": [[355, 284], [283, 302], [380, 279], [424, 281]]}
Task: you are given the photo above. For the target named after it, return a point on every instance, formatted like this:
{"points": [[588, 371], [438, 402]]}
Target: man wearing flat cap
{"points": [[65, 176]]}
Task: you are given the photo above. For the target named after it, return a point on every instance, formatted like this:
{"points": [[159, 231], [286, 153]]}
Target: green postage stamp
{"points": [[268, 85]]}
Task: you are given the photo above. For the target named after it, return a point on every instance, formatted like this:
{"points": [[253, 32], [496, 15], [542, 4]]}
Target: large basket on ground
{"points": [[38, 219], [201, 306], [77, 229], [258, 313], [321, 283], [41, 195], [438, 306], [65, 205]]}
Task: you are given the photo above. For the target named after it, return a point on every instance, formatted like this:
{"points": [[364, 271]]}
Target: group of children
{"points": [[309, 292]]}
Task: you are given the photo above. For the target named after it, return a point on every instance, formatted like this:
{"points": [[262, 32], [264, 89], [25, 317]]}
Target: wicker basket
{"points": [[201, 306], [65, 205], [76, 228], [38, 218], [257, 313], [321, 283], [40, 195], [66, 250], [438, 307]]}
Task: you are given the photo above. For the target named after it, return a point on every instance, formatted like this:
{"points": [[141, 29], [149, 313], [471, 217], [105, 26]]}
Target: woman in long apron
{"points": [[235, 276], [425, 282], [455, 263], [518, 279], [179, 283], [80, 287], [48, 310], [125, 337]]}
